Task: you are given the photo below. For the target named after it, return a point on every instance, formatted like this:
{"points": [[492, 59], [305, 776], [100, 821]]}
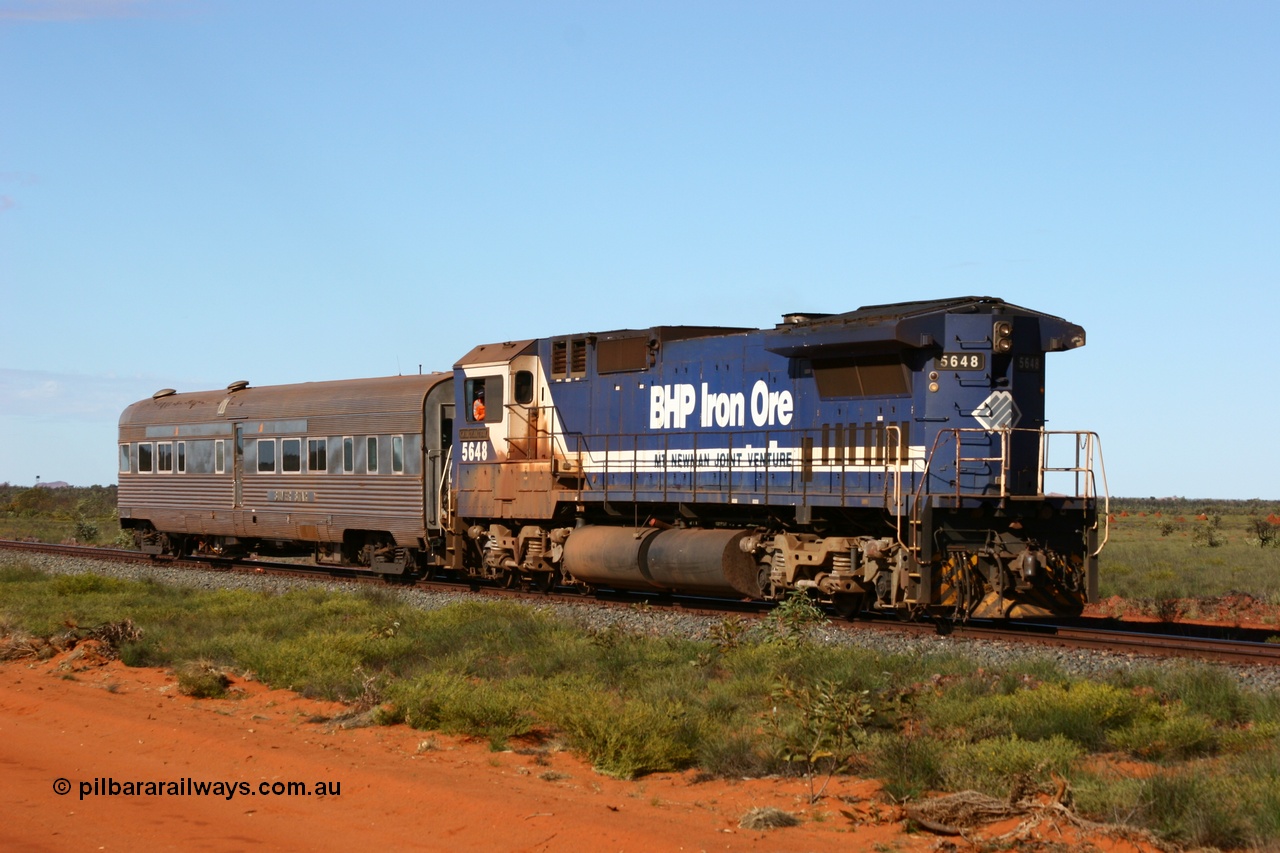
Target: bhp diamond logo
{"points": [[998, 411]]}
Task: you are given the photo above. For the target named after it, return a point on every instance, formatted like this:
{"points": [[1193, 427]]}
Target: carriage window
{"points": [[144, 458], [397, 454], [220, 456], [372, 455], [348, 455], [291, 455], [317, 455], [524, 387], [266, 456], [124, 459], [164, 457], [195, 457]]}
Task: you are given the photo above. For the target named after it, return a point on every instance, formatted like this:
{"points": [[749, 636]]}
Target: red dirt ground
{"points": [[78, 719], [1237, 609]]}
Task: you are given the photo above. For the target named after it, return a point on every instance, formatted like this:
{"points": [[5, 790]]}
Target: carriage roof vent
{"points": [[163, 392], [238, 385]]}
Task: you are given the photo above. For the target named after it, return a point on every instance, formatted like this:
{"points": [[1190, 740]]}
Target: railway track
{"points": [[1217, 643]]}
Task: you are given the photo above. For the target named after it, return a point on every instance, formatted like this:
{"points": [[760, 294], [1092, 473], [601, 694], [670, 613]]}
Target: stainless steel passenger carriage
{"points": [[351, 468]]}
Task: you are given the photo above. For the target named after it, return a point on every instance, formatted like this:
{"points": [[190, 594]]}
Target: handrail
{"points": [[444, 494], [726, 470]]}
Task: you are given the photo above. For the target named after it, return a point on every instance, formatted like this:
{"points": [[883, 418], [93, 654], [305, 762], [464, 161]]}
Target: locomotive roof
{"points": [[908, 324], [501, 352], [241, 401]]}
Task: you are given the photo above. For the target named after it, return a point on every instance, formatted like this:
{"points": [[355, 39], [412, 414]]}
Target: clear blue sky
{"points": [[198, 191]]}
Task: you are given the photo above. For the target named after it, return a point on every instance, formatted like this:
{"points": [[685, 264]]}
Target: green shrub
{"points": [[1265, 532], [733, 753], [998, 766], [1082, 712], [202, 680], [817, 727], [1210, 691], [16, 573], [622, 737], [1175, 735], [909, 765], [1194, 809], [1258, 773], [792, 618], [457, 705], [1232, 806], [85, 531]]}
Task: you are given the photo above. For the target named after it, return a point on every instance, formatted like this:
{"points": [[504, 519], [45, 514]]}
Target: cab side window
{"points": [[523, 389], [483, 399]]}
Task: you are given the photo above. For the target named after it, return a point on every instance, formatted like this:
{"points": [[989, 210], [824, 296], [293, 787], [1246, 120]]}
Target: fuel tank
{"points": [[702, 562]]}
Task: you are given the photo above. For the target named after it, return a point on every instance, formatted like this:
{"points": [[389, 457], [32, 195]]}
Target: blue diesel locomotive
{"points": [[890, 458], [893, 458]]}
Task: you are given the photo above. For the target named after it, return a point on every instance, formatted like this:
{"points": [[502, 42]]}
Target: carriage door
{"points": [[437, 441], [529, 432], [237, 467]]}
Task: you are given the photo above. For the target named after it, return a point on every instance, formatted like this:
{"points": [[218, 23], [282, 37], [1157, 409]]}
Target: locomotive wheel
{"points": [[849, 605], [767, 591]]}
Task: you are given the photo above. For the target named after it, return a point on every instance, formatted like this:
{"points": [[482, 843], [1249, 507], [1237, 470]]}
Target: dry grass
{"points": [[768, 818]]}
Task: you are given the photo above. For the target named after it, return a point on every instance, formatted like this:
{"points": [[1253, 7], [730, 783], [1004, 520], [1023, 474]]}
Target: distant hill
{"points": [[56, 484]]}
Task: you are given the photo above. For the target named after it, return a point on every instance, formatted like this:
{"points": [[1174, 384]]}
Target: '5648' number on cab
{"points": [[962, 361]]}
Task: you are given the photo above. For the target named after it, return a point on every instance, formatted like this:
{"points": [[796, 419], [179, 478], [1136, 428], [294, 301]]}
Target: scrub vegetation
{"points": [[1183, 753], [59, 514], [1186, 550]]}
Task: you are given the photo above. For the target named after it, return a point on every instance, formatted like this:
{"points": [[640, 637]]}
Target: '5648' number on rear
{"points": [[475, 451]]}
